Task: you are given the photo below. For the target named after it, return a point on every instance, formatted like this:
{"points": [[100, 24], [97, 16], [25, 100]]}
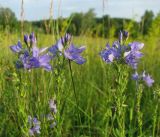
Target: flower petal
{"points": [[16, 48]]}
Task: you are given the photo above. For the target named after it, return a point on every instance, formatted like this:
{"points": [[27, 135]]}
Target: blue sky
{"points": [[39, 9]]}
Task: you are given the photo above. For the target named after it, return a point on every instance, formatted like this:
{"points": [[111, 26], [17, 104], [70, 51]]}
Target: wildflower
{"points": [[123, 35], [73, 53], [132, 57], [16, 48], [31, 57], [148, 80], [66, 48], [34, 126], [143, 77], [107, 54], [61, 44], [111, 53], [127, 54], [30, 39], [53, 106], [26, 39], [120, 36], [53, 109], [37, 60], [126, 34], [54, 49], [66, 39], [135, 76]]}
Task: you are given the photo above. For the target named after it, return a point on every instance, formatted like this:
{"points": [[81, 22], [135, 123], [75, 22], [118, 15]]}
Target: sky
{"points": [[40, 9]]}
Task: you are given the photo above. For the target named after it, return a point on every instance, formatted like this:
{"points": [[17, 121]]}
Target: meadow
{"points": [[94, 99]]}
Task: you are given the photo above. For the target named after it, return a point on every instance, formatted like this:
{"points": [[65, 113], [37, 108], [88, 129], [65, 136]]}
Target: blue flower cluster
{"points": [[31, 56], [143, 77], [70, 52], [126, 54], [34, 123], [34, 126]]}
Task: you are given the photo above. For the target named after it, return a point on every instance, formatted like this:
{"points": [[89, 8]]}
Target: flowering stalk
{"points": [[139, 113], [120, 97]]}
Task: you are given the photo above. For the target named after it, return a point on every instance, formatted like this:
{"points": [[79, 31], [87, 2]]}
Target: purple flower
{"points": [[54, 49], [120, 36], [123, 34], [53, 106], [34, 126], [16, 48], [73, 53], [126, 34], [107, 54], [132, 57], [135, 76], [31, 57], [60, 45], [143, 77], [131, 60], [147, 79], [30, 39], [66, 39], [23, 60], [37, 60], [111, 53], [129, 54], [26, 39], [135, 46]]}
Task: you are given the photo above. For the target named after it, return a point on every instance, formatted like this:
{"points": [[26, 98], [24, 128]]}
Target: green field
{"points": [[95, 99], [107, 102]]}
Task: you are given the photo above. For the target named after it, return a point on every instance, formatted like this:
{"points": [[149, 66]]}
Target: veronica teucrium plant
{"points": [[64, 48], [124, 56], [30, 56]]}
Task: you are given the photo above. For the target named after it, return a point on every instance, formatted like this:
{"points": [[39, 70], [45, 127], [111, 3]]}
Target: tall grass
{"points": [[107, 104]]}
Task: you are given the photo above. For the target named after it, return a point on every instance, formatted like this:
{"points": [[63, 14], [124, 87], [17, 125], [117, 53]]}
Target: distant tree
{"points": [[76, 23], [7, 18], [88, 21], [105, 21], [154, 30], [146, 21], [82, 22]]}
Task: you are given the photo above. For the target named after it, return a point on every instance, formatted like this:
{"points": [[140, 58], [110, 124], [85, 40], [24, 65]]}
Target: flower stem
{"points": [[74, 89]]}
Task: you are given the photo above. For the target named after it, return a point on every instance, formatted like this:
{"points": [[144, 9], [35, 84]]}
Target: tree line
{"points": [[79, 24]]}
